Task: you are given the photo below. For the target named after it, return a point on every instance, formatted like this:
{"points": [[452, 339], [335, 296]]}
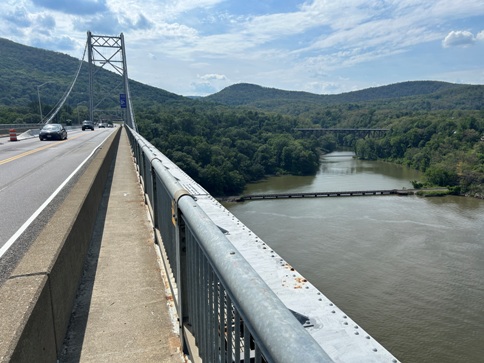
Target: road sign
{"points": [[122, 100]]}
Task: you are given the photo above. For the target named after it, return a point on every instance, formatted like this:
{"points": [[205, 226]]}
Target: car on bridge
{"points": [[52, 132], [86, 124], [102, 125]]}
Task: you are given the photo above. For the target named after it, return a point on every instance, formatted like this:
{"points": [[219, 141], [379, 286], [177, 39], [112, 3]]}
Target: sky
{"points": [[199, 47]]}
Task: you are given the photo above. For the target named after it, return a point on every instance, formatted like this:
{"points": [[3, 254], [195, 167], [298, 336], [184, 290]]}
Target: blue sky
{"points": [[198, 47]]}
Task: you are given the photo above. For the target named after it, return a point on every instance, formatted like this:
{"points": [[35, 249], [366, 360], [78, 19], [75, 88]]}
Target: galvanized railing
{"points": [[230, 311], [5, 128], [236, 298]]}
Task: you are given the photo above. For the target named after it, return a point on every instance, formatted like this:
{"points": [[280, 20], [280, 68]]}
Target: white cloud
{"points": [[18, 16], [208, 83], [324, 87], [202, 88], [203, 45], [209, 77], [174, 8], [458, 38]]}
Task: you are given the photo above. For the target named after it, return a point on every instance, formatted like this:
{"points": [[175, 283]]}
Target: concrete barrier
{"points": [[37, 299]]}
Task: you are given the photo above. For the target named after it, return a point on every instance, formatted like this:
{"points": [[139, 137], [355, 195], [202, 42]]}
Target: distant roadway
{"points": [[32, 172]]}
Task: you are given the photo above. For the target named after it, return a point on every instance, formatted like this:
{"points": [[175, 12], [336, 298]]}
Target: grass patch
{"points": [[433, 193]]}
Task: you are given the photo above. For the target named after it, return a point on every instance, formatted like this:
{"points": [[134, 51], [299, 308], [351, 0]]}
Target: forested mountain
{"points": [[23, 69], [246, 132], [271, 99]]}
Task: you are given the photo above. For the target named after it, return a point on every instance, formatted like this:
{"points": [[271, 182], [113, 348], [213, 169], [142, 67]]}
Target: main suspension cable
{"points": [[61, 102]]}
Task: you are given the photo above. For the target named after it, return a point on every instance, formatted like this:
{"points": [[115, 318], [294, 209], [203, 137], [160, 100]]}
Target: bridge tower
{"points": [[109, 52]]}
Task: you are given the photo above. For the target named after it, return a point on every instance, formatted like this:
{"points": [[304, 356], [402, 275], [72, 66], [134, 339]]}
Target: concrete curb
{"points": [[37, 299]]}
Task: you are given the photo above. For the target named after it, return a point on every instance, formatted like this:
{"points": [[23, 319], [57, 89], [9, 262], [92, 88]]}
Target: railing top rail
{"points": [[10, 126], [283, 337], [263, 285]]}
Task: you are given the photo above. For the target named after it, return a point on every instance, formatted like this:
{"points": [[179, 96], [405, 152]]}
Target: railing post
{"points": [[181, 265], [153, 198]]}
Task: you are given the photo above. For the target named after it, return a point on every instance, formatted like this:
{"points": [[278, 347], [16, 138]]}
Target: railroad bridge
{"points": [[359, 132]]}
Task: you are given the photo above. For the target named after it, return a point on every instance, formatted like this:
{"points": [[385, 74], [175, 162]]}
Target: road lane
{"points": [[33, 151], [31, 171]]}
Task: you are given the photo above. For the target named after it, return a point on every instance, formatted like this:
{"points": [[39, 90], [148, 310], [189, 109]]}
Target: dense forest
{"points": [[447, 145], [224, 149], [246, 132]]}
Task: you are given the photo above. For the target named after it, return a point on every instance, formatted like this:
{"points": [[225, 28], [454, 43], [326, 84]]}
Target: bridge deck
{"points": [[121, 314]]}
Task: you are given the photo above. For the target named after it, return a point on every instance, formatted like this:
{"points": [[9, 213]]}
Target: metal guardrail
{"points": [[18, 126], [221, 299], [233, 313], [5, 128], [26, 131]]}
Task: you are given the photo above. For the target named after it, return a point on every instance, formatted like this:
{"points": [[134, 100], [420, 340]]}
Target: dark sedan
{"points": [[52, 132]]}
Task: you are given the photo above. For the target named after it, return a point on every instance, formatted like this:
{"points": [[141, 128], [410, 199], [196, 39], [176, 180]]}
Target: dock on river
{"points": [[353, 193]]}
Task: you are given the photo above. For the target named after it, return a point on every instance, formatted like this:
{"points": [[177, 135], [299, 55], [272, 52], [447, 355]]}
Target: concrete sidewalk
{"points": [[121, 312]]}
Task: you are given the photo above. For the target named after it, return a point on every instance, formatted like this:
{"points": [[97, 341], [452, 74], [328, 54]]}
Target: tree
{"points": [[442, 175]]}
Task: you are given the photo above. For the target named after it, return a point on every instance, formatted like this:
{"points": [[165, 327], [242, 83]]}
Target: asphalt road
{"points": [[35, 176]]}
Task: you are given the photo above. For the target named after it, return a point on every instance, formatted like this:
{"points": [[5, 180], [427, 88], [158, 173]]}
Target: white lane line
{"points": [[22, 229]]}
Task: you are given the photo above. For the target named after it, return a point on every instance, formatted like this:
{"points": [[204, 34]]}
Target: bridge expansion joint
{"points": [[180, 193]]}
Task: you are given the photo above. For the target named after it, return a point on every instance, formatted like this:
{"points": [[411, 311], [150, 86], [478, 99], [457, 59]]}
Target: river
{"points": [[409, 269]]}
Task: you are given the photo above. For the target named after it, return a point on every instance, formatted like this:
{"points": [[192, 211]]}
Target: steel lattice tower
{"points": [[109, 52]]}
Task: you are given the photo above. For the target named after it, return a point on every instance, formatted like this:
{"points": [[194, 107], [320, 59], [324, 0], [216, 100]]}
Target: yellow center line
{"points": [[16, 157]]}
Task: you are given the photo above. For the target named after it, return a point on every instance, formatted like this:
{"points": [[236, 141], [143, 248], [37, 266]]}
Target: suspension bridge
{"points": [[102, 52], [234, 298]]}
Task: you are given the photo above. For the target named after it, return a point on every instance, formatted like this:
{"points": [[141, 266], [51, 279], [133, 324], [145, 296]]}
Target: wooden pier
{"points": [[353, 193]]}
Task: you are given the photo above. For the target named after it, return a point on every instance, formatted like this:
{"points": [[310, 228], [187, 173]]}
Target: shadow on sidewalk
{"points": [[73, 341]]}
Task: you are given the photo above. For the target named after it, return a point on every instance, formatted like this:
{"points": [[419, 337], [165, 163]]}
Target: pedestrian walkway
{"points": [[121, 312]]}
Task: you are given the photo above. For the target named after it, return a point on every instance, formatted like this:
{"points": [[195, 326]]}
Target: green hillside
{"points": [[246, 132], [253, 95], [271, 99], [23, 69]]}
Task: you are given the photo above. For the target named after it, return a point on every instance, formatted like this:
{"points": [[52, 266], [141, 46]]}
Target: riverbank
{"points": [[432, 192], [396, 264]]}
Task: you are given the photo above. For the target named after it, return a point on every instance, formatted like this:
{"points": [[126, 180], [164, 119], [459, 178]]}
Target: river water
{"points": [[410, 270]]}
